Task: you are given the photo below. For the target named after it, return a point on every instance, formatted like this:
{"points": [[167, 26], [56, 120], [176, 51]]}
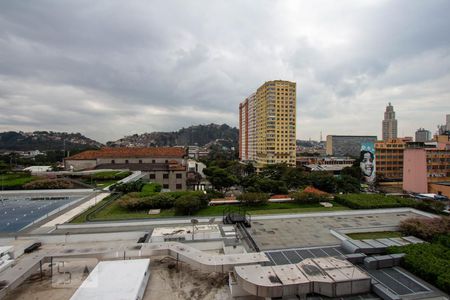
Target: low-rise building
{"points": [[347, 145], [389, 158], [329, 164], [163, 165], [425, 165]]}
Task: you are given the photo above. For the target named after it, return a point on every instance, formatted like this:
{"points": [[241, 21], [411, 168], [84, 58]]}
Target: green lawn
{"points": [[15, 180], [150, 189], [116, 212], [374, 235]]}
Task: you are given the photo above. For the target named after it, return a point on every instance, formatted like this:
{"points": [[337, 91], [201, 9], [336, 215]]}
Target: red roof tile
{"points": [[166, 152]]}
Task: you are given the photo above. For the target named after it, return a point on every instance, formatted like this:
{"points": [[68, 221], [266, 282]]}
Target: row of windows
{"points": [[113, 161], [396, 162], [177, 186], [389, 169], [166, 176], [390, 157]]}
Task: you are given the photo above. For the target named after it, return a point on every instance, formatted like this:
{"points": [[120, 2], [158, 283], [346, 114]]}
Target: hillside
{"points": [[194, 135], [45, 140]]}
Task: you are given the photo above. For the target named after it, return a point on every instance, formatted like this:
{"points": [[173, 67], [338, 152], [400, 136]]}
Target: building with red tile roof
{"points": [[164, 165]]}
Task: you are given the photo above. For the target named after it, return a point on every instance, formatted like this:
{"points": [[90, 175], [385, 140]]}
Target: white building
{"points": [[115, 280]]}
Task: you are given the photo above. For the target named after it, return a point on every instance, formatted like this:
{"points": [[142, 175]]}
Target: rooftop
{"points": [[169, 152], [114, 280]]}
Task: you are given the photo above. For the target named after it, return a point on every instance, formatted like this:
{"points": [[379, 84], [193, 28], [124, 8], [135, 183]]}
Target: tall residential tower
{"points": [[267, 119], [389, 123]]}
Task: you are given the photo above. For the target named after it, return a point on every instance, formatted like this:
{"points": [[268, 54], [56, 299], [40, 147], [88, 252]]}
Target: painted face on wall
{"points": [[366, 164]]}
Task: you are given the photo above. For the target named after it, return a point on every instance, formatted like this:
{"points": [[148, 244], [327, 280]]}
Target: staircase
{"points": [[236, 215]]}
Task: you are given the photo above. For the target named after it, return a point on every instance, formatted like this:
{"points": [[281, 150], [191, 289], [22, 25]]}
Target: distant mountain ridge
{"points": [[45, 140], [200, 135]]}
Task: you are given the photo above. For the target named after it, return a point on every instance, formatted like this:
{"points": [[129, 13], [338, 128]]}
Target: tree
{"points": [[274, 171], [249, 169], [323, 181], [187, 205], [353, 171], [295, 178], [219, 178], [348, 184]]}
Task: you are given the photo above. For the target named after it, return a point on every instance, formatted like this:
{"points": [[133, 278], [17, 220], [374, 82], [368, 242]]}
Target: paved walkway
{"points": [[66, 217]]}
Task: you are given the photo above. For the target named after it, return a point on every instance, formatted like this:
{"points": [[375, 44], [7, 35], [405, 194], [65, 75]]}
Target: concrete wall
{"points": [[415, 171], [172, 182]]}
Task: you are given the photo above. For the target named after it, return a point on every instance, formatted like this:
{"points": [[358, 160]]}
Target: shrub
{"points": [[49, 184], [187, 205], [134, 201], [308, 197], [425, 228], [430, 262], [160, 201], [253, 199], [212, 194], [135, 186], [368, 201]]}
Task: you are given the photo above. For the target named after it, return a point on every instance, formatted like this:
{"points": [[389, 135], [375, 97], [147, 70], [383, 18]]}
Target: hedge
{"points": [[307, 197], [49, 184], [369, 201], [138, 201], [430, 262]]}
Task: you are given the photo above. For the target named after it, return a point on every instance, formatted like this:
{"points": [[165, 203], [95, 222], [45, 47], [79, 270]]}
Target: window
{"points": [[113, 161], [167, 161], [153, 161], [165, 176], [179, 175], [126, 161], [140, 161], [152, 176], [165, 186], [179, 186]]}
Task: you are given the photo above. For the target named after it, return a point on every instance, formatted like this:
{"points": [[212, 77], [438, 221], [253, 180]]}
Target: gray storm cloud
{"points": [[110, 68]]}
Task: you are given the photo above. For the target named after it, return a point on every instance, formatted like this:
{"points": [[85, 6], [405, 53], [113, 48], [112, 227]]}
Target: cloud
{"points": [[110, 68]]}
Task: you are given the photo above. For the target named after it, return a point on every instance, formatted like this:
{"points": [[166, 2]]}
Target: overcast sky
{"points": [[112, 68]]}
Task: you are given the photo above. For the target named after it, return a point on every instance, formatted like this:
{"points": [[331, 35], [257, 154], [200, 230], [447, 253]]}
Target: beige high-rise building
{"points": [[389, 123], [267, 123]]}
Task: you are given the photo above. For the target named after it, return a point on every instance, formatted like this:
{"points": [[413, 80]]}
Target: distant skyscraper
{"points": [[443, 129], [267, 121], [423, 135], [448, 122], [389, 123]]}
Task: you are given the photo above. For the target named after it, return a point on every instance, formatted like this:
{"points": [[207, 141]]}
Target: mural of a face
{"points": [[367, 164]]}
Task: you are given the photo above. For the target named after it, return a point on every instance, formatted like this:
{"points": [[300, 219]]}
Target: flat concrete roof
{"points": [[120, 279]]}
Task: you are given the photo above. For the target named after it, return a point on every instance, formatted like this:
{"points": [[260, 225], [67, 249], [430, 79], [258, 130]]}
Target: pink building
{"points": [[415, 170], [424, 165]]}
